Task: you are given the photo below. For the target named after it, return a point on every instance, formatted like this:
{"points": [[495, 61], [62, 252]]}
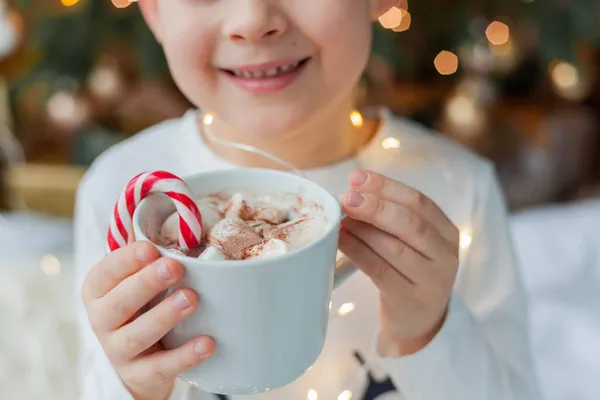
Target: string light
{"points": [[346, 309], [357, 119], [345, 395], [208, 119], [391, 18], [312, 395], [390, 143], [497, 33], [446, 63], [465, 240], [50, 265]]}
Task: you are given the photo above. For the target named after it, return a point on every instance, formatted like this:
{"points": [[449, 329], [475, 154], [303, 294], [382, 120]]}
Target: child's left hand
{"points": [[406, 244]]}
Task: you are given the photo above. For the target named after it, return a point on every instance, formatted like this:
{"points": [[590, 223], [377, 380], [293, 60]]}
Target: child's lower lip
{"points": [[266, 84]]}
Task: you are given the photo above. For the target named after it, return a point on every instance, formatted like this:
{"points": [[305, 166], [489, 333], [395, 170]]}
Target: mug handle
{"points": [[344, 268]]}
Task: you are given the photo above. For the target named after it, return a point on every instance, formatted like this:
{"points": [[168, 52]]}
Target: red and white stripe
{"points": [[138, 188]]}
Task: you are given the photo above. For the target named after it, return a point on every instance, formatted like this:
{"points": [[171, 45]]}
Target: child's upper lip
{"points": [[265, 65]]}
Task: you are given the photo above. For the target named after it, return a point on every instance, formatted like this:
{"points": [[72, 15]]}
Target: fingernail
{"points": [[359, 177], [181, 301], [355, 199], [201, 346], [163, 271]]}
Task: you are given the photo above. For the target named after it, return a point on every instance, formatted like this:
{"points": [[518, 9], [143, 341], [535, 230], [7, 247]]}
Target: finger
{"points": [[140, 334], [368, 182], [400, 222], [384, 276], [117, 266], [122, 303], [163, 367], [399, 255]]}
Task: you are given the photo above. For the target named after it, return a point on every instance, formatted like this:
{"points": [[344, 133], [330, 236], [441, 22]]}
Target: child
{"points": [[280, 75]]}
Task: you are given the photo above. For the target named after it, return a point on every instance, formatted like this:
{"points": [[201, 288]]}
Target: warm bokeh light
{"points": [[122, 3], [50, 265], [564, 75], [357, 119], [346, 309], [392, 18], [390, 143], [312, 395], [69, 3], [405, 23], [497, 33], [345, 395], [465, 240], [446, 63], [208, 119]]}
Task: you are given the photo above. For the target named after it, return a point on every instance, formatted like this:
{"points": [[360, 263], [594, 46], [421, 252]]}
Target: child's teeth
{"points": [[267, 73], [271, 72]]}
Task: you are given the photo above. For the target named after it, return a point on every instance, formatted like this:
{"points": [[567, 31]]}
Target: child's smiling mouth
{"points": [[266, 77]]}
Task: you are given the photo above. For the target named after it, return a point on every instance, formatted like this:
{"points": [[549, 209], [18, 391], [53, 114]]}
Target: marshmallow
{"points": [[169, 231], [299, 232], [268, 249], [212, 254], [247, 210], [234, 237]]}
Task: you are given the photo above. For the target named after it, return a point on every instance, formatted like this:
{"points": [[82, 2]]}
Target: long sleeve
{"points": [[482, 351]]}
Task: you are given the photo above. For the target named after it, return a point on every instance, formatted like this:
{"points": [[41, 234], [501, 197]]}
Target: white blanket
{"points": [[559, 251]]}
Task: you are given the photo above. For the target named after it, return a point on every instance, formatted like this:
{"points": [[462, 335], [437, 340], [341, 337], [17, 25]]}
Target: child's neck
{"points": [[326, 139]]}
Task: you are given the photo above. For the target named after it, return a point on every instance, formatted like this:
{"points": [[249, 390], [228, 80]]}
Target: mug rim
{"points": [[333, 226]]}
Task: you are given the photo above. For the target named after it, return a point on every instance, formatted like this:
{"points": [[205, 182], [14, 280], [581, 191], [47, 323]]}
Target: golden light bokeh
{"points": [[357, 119], [446, 63], [390, 143], [122, 3], [405, 23], [69, 3], [564, 75], [402, 4], [50, 265], [497, 33], [345, 395], [392, 18], [208, 119], [346, 309], [312, 395], [465, 240]]}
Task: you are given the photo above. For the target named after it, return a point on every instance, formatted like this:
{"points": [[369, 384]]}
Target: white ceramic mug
{"points": [[268, 317]]}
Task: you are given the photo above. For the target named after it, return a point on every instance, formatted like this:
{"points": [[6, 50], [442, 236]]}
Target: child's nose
{"points": [[254, 20]]}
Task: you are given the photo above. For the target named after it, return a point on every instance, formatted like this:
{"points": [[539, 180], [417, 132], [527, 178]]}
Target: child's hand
{"points": [[409, 248], [115, 293]]}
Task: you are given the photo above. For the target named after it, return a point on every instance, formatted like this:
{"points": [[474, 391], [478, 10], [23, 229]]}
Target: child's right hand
{"points": [[115, 294]]}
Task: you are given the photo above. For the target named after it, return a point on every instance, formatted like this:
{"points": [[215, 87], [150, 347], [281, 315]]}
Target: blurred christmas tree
{"points": [[88, 72]]}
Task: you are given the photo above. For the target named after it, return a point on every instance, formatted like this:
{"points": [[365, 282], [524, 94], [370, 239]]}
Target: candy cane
{"points": [[138, 188]]}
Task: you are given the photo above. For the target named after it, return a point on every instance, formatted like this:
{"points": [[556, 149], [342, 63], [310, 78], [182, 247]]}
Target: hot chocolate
{"points": [[242, 226]]}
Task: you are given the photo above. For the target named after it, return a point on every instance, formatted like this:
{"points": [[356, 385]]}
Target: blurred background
{"points": [[517, 81]]}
